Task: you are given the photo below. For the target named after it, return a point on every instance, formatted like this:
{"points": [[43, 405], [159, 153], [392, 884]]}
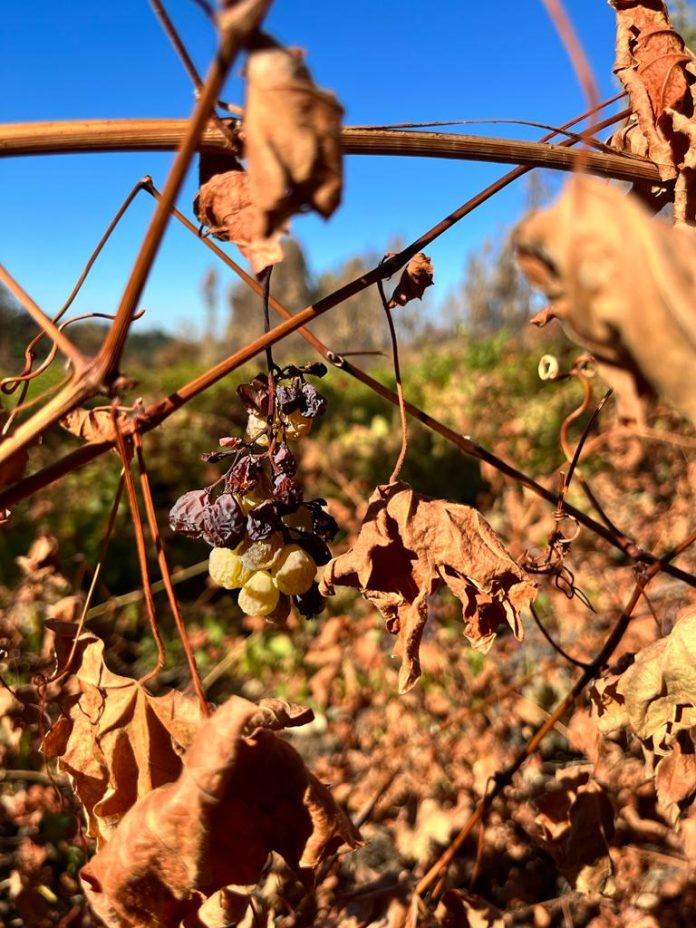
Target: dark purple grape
{"points": [[287, 494], [316, 369], [262, 521], [323, 524], [289, 398], [254, 395], [245, 475], [212, 457], [283, 460], [314, 546], [187, 514], [312, 403], [310, 603], [224, 522]]}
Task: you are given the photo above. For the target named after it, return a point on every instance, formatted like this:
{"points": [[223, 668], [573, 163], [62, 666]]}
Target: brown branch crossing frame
{"points": [[44, 138]]}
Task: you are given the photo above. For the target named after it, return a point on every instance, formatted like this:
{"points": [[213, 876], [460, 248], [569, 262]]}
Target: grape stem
{"points": [[399, 388]]}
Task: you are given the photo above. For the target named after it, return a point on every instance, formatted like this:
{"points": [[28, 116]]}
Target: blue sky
{"points": [[387, 61]]}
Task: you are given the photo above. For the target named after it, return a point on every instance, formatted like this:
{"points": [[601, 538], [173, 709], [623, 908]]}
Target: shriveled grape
{"points": [[227, 570], [294, 571]]}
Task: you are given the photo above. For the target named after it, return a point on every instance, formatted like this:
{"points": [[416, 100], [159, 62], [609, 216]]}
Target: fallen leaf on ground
{"points": [[408, 546], [460, 909], [577, 821], [417, 275], [236, 800], [622, 284], [292, 133]]}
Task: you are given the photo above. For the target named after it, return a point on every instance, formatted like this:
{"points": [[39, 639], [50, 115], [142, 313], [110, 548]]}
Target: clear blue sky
{"points": [[387, 61]]}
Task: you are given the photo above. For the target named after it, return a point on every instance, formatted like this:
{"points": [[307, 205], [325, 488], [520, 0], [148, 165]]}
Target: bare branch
{"points": [[165, 134]]}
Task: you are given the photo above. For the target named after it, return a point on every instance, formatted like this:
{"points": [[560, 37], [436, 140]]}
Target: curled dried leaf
{"points": [[622, 284], [576, 819], [659, 72], [408, 546], [236, 800], [292, 137], [107, 739], [659, 688], [224, 204], [417, 275]]}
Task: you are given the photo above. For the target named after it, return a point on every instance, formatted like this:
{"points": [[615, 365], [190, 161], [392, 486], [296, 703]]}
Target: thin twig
{"points": [[574, 50], [108, 532], [192, 71], [9, 384], [73, 354], [125, 455], [399, 386], [239, 22], [564, 654], [166, 575]]}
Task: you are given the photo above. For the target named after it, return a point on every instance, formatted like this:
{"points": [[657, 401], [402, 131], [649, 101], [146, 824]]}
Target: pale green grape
{"points": [[261, 555], [226, 569], [296, 425], [256, 429], [259, 595], [294, 571]]}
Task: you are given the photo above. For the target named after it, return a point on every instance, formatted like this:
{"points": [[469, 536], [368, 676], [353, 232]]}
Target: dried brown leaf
{"points": [[659, 688], [407, 547], [461, 909], [224, 204], [116, 741], [658, 72], [622, 284], [577, 821], [292, 138], [675, 775], [92, 424], [236, 800], [417, 275]]}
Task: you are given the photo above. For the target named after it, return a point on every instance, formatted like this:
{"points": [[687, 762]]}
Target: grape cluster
{"points": [[267, 540]]}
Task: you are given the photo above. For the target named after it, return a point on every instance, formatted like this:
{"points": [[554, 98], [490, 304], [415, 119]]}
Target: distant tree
{"points": [[290, 285], [209, 291], [683, 14], [358, 325]]}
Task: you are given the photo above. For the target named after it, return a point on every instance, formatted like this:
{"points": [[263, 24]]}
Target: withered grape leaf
{"points": [[236, 800], [93, 424], [660, 685], [292, 132], [407, 547], [656, 697], [117, 742], [659, 72], [224, 204], [417, 275], [622, 284]]}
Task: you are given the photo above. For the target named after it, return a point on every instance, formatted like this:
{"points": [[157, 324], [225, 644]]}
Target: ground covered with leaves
{"points": [[596, 827]]}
